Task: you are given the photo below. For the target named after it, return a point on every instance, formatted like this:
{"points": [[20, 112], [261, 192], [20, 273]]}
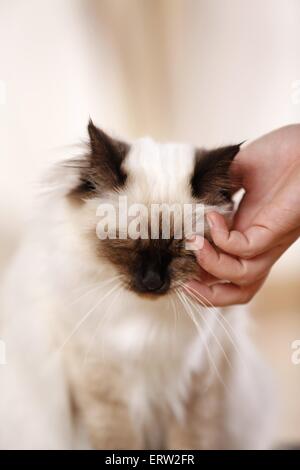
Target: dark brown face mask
{"points": [[150, 266]]}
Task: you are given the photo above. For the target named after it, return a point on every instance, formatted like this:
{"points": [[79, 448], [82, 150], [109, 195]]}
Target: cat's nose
{"points": [[153, 281]]}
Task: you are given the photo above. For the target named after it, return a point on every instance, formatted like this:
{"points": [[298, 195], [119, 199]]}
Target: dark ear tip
{"points": [[94, 132], [91, 126], [237, 147], [233, 150]]}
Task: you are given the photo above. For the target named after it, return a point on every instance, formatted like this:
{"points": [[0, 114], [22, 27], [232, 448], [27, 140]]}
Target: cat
{"points": [[106, 346]]}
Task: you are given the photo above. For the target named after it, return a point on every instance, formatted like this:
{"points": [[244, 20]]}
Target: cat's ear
{"points": [[211, 179], [107, 155], [101, 169]]}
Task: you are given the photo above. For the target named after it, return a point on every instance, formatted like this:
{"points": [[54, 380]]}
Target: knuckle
{"points": [[251, 275], [248, 249], [244, 276], [248, 253]]}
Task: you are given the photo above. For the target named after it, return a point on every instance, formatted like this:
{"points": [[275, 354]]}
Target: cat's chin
{"points": [[151, 295]]}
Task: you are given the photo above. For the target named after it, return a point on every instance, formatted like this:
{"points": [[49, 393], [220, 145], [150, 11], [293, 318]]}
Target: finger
{"points": [[223, 295], [207, 278], [236, 270], [248, 208], [252, 242]]}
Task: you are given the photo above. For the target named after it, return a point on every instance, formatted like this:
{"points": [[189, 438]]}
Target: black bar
{"points": [[140, 459]]}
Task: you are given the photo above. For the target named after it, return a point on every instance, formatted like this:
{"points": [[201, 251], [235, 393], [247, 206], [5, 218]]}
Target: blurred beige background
{"points": [[206, 71]]}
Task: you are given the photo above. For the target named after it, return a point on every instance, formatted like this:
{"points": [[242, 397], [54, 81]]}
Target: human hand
{"points": [[266, 224]]}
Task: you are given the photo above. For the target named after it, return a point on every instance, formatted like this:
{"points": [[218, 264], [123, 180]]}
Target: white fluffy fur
{"points": [[42, 306]]}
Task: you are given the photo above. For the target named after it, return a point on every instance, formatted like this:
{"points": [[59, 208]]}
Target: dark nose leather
{"points": [[152, 281], [152, 274]]}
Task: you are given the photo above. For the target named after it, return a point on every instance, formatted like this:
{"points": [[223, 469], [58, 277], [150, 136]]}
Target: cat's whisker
{"points": [[187, 309], [175, 312], [99, 324], [86, 316], [212, 361], [197, 296], [210, 307], [213, 334], [94, 287], [187, 306]]}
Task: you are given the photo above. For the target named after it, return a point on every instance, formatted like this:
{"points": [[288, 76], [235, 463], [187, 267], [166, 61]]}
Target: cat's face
{"points": [[151, 175]]}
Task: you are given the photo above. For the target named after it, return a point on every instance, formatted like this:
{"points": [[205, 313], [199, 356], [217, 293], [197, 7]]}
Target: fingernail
{"points": [[191, 238], [195, 244]]}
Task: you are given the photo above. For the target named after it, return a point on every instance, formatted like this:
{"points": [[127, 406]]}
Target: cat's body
{"points": [[92, 359]]}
